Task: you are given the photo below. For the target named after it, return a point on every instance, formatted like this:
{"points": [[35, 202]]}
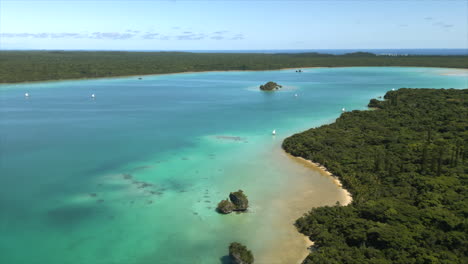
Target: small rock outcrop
{"points": [[237, 202], [270, 86], [240, 201], [225, 207], [239, 254]]}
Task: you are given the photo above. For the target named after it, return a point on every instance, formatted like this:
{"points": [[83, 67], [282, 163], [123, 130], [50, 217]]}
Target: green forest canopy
{"points": [[405, 166], [22, 66]]}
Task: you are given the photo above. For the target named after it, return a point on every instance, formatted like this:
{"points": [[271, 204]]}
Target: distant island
{"points": [[24, 66], [270, 86], [405, 166]]}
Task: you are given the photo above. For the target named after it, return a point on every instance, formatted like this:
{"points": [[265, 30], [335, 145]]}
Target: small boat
{"points": [[393, 89], [295, 95], [274, 132], [343, 109], [93, 96], [26, 94]]}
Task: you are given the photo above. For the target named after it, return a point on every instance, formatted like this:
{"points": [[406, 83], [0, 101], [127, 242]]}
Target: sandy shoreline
{"points": [[337, 181], [304, 186], [323, 170]]}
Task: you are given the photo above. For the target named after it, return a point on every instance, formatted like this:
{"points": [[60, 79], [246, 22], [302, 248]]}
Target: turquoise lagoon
{"points": [[134, 175]]}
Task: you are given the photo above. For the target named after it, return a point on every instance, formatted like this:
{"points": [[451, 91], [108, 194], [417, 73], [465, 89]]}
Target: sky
{"points": [[232, 25]]}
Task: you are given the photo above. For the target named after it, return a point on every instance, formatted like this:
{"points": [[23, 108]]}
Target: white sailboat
{"points": [[343, 109], [93, 96], [273, 132], [26, 94]]}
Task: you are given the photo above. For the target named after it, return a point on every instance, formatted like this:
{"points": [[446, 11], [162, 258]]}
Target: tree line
{"points": [[22, 66]]}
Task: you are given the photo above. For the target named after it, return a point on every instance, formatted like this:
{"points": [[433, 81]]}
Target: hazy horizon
{"points": [[423, 51]]}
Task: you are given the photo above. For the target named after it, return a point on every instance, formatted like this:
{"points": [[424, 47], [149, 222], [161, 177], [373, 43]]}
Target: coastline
{"points": [[173, 73], [334, 227], [324, 170], [308, 243], [305, 187], [190, 72]]}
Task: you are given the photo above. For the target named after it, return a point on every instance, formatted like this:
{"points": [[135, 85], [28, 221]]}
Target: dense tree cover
{"points": [[405, 166], [361, 54], [239, 254], [21, 66], [270, 86]]}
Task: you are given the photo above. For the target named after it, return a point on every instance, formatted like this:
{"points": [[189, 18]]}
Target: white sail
{"points": [[274, 132], [26, 94], [93, 96], [343, 109]]}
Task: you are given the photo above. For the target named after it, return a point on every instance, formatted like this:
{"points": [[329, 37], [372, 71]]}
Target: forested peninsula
{"points": [[24, 66], [405, 166]]}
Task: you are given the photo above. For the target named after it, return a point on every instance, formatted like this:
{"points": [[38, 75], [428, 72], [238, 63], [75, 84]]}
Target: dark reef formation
{"points": [[225, 207], [237, 202], [240, 201], [239, 254], [270, 86]]}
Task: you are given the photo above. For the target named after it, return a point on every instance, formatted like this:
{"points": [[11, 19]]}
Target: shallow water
{"points": [[134, 175]]}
